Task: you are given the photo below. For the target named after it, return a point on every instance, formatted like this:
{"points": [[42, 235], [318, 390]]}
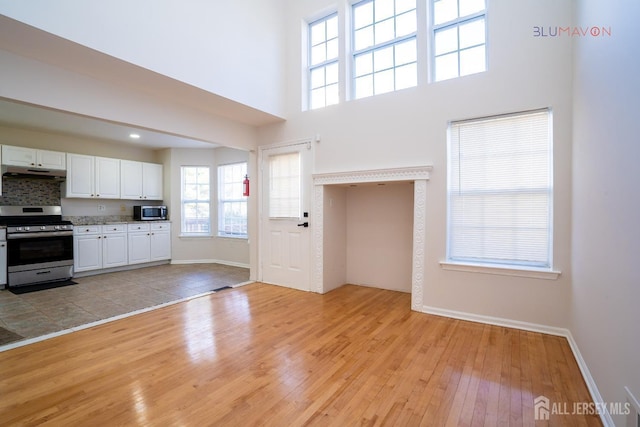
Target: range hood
{"points": [[33, 172]]}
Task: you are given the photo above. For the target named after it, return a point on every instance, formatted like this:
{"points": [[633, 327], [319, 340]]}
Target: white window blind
{"points": [[284, 185], [500, 190]]}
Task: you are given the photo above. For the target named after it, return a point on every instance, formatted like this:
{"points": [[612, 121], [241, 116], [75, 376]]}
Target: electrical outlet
{"points": [[102, 208]]}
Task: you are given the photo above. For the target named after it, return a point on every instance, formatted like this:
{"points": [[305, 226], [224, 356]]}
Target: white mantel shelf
{"points": [[376, 175]]}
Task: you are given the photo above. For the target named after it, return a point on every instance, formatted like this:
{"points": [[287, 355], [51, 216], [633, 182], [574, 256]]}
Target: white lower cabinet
{"points": [[139, 239], [160, 241], [87, 248], [114, 245], [149, 242], [106, 246]]}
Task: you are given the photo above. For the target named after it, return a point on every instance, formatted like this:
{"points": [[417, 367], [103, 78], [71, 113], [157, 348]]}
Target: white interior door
{"points": [[285, 248]]}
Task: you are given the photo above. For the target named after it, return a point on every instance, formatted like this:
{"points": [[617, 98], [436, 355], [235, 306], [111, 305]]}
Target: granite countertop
{"points": [[104, 220]]}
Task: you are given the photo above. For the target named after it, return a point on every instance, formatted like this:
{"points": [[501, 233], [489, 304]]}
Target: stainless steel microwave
{"points": [[149, 213]]}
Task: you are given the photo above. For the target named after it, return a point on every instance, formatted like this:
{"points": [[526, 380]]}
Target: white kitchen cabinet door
{"points": [[130, 180], [114, 250], [151, 181], [107, 178], [18, 156], [160, 245], [139, 245], [21, 156], [140, 181], [87, 250], [80, 174], [51, 159]]}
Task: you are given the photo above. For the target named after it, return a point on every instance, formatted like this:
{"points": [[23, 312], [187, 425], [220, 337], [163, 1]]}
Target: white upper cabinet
{"points": [[92, 177], [51, 159], [80, 176], [152, 181], [140, 181], [130, 179], [30, 157], [107, 178]]}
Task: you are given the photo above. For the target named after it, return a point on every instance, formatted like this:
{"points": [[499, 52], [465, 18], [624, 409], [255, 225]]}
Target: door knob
{"points": [[304, 224]]}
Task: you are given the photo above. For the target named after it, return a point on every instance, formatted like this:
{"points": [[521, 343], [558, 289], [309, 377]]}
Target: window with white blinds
{"points": [[284, 185], [500, 190]]}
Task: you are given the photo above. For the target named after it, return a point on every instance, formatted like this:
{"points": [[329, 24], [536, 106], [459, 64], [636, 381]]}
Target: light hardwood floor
{"points": [[266, 355]]}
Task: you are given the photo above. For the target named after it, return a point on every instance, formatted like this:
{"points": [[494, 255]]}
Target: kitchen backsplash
{"points": [[30, 192]]}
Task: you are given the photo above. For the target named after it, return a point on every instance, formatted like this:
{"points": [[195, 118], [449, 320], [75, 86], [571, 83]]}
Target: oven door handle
{"points": [[39, 234]]}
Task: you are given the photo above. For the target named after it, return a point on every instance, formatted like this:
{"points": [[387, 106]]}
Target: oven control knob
{"points": [[27, 228], [18, 228], [56, 227], [42, 227]]}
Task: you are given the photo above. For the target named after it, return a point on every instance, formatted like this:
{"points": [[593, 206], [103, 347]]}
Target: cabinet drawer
{"points": [[159, 226], [114, 228], [137, 227], [87, 229]]}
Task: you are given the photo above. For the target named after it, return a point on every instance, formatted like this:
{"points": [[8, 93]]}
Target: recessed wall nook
{"points": [[329, 264]]}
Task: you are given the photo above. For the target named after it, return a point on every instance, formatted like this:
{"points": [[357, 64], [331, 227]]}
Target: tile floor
{"points": [[107, 295]]}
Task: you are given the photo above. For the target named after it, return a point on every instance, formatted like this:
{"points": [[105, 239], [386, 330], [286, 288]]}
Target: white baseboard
{"points": [[209, 261], [116, 269], [533, 327], [588, 378], [498, 321]]}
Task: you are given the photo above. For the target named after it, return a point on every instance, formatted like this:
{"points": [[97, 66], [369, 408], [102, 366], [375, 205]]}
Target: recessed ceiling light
{"points": [[134, 136]]}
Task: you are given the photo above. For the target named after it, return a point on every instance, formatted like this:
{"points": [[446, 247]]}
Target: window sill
{"points": [[195, 236], [535, 273]]}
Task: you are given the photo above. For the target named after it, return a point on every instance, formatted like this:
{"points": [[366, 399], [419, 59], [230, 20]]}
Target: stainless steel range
{"points": [[39, 244]]}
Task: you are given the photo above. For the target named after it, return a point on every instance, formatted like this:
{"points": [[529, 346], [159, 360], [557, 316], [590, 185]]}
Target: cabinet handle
{"points": [[2, 245], [33, 164], [87, 230], [39, 164], [97, 195], [105, 237], [99, 237]]}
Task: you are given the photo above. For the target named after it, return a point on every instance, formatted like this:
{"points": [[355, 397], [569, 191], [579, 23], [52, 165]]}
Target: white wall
{"points": [[605, 313], [42, 84], [408, 128], [334, 237], [73, 144], [230, 48], [379, 225]]}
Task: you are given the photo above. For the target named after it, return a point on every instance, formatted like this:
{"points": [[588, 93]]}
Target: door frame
{"points": [[261, 214]]}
